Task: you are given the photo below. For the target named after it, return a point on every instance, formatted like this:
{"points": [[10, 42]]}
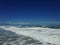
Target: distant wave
{"points": [[54, 26]]}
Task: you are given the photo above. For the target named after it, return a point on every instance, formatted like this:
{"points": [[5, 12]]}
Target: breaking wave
{"points": [[29, 36], [10, 38]]}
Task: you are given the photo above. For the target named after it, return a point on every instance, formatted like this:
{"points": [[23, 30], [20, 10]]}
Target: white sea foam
{"points": [[45, 35]]}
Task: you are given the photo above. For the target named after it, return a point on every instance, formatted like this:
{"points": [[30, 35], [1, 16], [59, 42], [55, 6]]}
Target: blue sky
{"points": [[30, 11]]}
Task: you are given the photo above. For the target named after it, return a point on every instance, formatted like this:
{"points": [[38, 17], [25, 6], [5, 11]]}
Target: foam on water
{"points": [[45, 35]]}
